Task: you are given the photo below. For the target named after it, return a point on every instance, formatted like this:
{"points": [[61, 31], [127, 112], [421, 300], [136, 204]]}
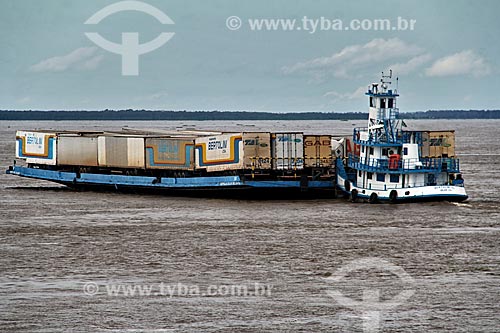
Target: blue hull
{"points": [[225, 185]]}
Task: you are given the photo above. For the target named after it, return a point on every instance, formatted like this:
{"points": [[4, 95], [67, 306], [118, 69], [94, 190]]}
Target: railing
{"points": [[451, 165], [389, 186], [388, 114], [372, 140], [411, 137], [401, 137]]}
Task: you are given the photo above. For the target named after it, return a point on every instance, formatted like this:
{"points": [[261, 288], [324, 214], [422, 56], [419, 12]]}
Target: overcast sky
{"points": [[450, 60]]}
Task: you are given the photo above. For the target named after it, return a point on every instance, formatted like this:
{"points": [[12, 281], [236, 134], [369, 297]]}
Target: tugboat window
{"points": [[390, 103], [371, 102], [381, 177], [382, 103], [405, 151], [394, 178], [371, 150], [369, 175]]}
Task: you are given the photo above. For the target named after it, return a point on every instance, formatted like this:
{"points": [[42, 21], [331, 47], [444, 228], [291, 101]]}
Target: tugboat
{"points": [[394, 165]]}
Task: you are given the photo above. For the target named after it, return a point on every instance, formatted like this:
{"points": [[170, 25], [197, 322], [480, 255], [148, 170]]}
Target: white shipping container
{"points": [[288, 151], [121, 152], [219, 152], [37, 147], [338, 147], [77, 150]]}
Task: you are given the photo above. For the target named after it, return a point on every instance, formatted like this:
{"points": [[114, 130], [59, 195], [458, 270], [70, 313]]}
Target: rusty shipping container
{"points": [[121, 152], [257, 150], [287, 151], [438, 144], [170, 153], [318, 151]]}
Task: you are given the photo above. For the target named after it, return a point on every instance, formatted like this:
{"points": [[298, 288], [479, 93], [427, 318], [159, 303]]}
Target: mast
{"points": [[384, 125]]}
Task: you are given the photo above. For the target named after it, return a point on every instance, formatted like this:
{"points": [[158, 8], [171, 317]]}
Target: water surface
{"points": [[54, 240]]}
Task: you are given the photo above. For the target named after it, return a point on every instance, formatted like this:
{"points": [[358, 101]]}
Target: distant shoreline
{"points": [[233, 115]]}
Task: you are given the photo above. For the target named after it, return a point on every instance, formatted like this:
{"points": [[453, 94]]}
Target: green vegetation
{"points": [[232, 115]]}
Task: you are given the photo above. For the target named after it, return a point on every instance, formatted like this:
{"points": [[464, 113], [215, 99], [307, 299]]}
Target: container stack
{"points": [[180, 150]]}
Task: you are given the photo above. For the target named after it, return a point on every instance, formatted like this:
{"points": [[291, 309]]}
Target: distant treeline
{"points": [[232, 115]]}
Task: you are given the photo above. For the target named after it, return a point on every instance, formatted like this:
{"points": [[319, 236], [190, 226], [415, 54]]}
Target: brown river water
{"points": [[83, 261]]}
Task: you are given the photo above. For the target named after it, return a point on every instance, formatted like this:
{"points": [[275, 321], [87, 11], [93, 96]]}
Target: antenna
{"points": [[384, 82], [387, 76]]}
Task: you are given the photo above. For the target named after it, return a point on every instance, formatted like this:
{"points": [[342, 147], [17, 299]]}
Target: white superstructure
{"points": [[390, 165]]}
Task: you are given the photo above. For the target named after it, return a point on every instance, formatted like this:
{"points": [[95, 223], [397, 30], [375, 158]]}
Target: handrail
{"points": [[405, 164], [401, 137], [388, 113], [389, 186]]}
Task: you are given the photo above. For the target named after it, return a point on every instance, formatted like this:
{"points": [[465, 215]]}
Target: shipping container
{"points": [[170, 153], [287, 151], [318, 151], [219, 152], [257, 150], [121, 152], [155, 132], [438, 144], [351, 148], [338, 147], [78, 150], [37, 147]]}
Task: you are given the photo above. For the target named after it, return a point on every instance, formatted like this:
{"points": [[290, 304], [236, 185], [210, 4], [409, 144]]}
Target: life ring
{"points": [[373, 198], [347, 185], [393, 196], [354, 195]]}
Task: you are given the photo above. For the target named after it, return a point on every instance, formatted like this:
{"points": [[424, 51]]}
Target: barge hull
{"points": [[219, 186]]}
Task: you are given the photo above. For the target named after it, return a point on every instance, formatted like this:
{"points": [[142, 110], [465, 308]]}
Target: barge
{"points": [[195, 163], [379, 163]]}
